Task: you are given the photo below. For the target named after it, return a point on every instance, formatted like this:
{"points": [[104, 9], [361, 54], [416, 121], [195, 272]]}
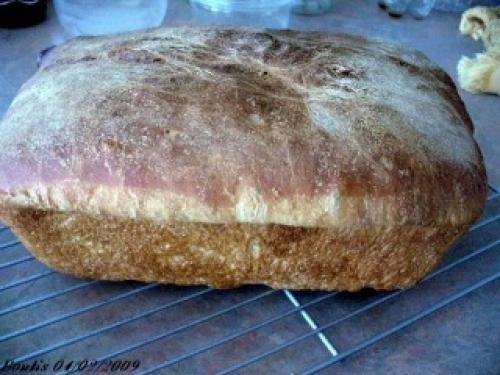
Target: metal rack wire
{"points": [[45, 315]]}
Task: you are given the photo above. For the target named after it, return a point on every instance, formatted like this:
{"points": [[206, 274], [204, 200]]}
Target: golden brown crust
{"points": [[242, 126], [228, 255], [350, 161]]}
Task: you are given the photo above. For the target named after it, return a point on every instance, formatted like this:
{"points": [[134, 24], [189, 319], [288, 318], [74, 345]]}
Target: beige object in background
{"points": [[481, 73], [475, 22], [235, 156]]}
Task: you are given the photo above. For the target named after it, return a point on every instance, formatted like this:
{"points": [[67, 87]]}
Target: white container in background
{"points": [[98, 17], [259, 13]]}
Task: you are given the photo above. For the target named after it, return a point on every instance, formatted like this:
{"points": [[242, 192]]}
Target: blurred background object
{"points": [[312, 7], [22, 13], [258, 13], [462, 5], [420, 9], [417, 8], [453, 5], [98, 17], [481, 73]]}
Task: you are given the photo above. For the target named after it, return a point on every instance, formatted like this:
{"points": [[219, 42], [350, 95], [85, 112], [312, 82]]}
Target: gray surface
{"points": [[462, 338]]}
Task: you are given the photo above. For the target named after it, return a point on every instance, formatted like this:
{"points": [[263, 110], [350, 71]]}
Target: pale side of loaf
{"points": [[235, 156]]}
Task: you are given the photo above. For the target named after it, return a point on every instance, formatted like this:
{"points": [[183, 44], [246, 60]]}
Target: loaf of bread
{"points": [[236, 156]]}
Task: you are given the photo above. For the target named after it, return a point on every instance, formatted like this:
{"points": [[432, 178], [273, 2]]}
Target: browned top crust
{"points": [[241, 125]]}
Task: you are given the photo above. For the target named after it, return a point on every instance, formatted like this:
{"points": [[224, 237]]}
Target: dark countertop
{"points": [[462, 338]]}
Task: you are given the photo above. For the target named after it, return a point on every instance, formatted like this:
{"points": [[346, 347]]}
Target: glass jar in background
{"points": [[98, 17], [259, 13]]}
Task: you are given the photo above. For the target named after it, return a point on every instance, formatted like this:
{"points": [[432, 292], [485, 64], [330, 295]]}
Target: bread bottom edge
{"points": [[230, 255]]}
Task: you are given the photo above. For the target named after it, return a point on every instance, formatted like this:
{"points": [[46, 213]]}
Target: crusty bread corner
{"points": [[242, 128]]}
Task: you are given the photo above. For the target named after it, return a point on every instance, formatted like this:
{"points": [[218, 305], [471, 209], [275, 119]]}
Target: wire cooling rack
{"points": [[50, 319]]}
